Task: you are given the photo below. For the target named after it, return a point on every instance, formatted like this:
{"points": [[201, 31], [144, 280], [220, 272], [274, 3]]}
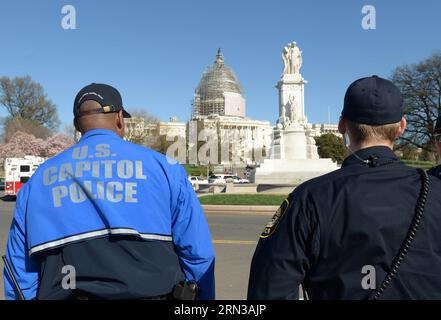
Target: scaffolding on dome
{"points": [[209, 95]]}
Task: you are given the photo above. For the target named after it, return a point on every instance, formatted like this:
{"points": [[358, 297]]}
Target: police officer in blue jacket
{"points": [[108, 219], [369, 230], [436, 171]]}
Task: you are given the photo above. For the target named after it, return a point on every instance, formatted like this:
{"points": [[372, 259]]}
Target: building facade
{"points": [[321, 129]]}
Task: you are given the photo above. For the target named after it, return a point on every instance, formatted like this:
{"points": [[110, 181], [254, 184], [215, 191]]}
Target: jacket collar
{"points": [[381, 154], [99, 132]]}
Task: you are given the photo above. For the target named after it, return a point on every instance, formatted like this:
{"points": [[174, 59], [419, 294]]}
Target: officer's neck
{"points": [[354, 147]]}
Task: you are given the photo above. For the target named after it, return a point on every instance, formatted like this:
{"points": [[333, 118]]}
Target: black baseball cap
{"points": [[373, 101], [107, 96]]}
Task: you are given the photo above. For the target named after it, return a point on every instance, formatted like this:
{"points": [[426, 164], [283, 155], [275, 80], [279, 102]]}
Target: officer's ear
{"points": [[119, 123], [401, 128], [342, 125], [75, 123]]}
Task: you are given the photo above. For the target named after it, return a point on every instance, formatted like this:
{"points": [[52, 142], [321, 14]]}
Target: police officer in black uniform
{"points": [[368, 230], [436, 171]]}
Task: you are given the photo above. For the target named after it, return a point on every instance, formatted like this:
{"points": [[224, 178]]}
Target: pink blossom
{"points": [[22, 144]]}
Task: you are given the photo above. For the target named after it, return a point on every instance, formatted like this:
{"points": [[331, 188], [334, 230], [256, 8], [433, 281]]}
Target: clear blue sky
{"points": [[154, 52]]}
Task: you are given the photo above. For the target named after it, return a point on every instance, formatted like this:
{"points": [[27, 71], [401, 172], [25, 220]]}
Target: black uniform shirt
{"points": [[331, 227], [435, 171]]}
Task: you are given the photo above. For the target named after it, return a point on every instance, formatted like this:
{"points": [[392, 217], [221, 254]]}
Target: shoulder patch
{"points": [[271, 226]]}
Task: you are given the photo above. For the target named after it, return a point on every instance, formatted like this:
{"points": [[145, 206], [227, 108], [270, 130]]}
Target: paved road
{"points": [[6, 210], [233, 257], [234, 237]]}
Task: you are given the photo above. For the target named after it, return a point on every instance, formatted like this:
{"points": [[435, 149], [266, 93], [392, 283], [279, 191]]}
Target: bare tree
{"points": [[420, 85], [142, 113], [13, 125], [70, 131], [142, 128], [24, 98]]}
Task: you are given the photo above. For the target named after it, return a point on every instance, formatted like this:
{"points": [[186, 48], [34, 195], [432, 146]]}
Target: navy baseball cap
{"points": [[373, 101], [107, 96]]}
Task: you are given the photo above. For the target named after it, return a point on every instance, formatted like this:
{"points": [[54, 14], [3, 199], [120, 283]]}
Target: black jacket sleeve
{"points": [[286, 250]]}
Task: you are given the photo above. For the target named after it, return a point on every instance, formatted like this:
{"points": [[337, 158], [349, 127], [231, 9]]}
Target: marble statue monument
{"points": [[293, 155]]}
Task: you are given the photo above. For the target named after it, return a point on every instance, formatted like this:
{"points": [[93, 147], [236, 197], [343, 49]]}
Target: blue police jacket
{"points": [[103, 187]]}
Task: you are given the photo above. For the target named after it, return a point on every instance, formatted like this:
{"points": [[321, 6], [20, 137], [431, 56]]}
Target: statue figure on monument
{"points": [[292, 59], [295, 58], [293, 109], [285, 58]]}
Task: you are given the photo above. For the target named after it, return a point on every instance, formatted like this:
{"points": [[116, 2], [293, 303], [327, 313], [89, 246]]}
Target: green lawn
{"points": [[195, 171], [243, 199], [419, 164]]}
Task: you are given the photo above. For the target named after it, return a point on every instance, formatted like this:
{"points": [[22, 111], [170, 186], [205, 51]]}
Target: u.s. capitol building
{"points": [[218, 127]]}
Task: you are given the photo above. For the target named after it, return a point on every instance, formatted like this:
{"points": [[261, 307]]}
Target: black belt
{"points": [[82, 295], [184, 290]]}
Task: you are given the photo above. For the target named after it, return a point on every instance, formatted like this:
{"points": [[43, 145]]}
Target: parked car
{"points": [[224, 178], [2, 184], [197, 180], [236, 179], [218, 178]]}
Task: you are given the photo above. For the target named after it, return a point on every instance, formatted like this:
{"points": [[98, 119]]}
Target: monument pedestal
{"points": [[294, 159], [291, 172], [294, 143]]}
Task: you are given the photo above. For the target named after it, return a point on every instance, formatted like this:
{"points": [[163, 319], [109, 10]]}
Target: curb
{"points": [[240, 210]]}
